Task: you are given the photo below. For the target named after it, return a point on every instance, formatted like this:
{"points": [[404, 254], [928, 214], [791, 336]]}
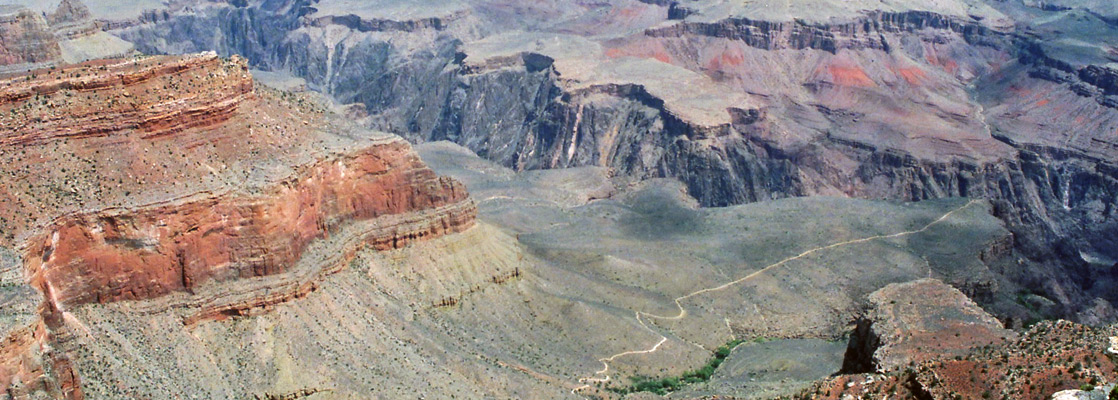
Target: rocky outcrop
{"points": [[919, 321], [1050, 357], [866, 33], [360, 24], [1098, 82], [200, 194], [110, 85], [146, 253], [1103, 77], [526, 111], [29, 366], [72, 19], [25, 39], [31, 363]]}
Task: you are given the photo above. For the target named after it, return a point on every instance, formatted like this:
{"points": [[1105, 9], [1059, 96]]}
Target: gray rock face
{"points": [[864, 33], [19, 300], [905, 104]]}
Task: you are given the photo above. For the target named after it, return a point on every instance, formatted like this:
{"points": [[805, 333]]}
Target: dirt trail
{"points": [[683, 311]]}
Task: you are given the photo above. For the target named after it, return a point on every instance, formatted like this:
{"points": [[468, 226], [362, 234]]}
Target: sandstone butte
{"points": [[138, 179]]}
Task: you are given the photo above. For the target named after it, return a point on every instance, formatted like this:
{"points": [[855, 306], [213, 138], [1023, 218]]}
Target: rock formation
{"points": [[72, 19], [144, 253], [66, 34], [25, 39], [742, 102], [917, 322], [175, 177], [168, 211], [1048, 358]]}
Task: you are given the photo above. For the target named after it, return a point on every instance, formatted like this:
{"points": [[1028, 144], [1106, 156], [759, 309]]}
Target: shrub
{"points": [[667, 385]]}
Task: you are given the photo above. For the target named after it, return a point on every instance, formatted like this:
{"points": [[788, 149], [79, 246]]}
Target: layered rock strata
{"points": [[177, 181], [66, 34], [133, 254], [863, 33], [891, 103], [109, 84], [25, 39]]}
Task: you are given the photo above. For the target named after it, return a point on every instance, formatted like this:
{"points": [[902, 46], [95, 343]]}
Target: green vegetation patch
{"points": [[671, 384]]}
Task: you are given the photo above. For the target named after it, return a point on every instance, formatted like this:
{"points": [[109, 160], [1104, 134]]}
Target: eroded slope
{"points": [[742, 101], [175, 180]]}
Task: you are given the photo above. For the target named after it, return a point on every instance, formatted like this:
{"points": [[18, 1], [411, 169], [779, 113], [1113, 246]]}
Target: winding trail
{"points": [[683, 311]]}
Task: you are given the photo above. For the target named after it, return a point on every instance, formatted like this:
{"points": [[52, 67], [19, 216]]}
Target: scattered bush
{"points": [[671, 384]]}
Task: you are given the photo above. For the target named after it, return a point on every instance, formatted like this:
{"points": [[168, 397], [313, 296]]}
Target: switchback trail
{"points": [[683, 311]]}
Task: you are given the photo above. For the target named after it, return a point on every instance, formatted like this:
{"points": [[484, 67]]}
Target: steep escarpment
{"points": [[140, 254], [883, 104], [177, 181], [25, 39], [863, 33]]}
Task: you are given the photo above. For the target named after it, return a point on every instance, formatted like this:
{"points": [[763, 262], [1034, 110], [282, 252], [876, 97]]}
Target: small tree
{"points": [[1114, 393]]}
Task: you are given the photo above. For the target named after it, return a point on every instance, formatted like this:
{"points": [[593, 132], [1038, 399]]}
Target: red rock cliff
{"points": [[141, 254], [175, 178]]}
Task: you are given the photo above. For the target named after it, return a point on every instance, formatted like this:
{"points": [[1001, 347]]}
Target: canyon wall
{"points": [[141, 254], [25, 39], [830, 134], [38, 37], [863, 33], [176, 181]]}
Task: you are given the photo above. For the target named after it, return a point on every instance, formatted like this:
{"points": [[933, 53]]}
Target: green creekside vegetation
{"points": [[664, 386]]}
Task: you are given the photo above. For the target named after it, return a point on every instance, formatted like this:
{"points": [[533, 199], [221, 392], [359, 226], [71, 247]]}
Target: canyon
{"points": [[743, 103], [285, 199]]}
